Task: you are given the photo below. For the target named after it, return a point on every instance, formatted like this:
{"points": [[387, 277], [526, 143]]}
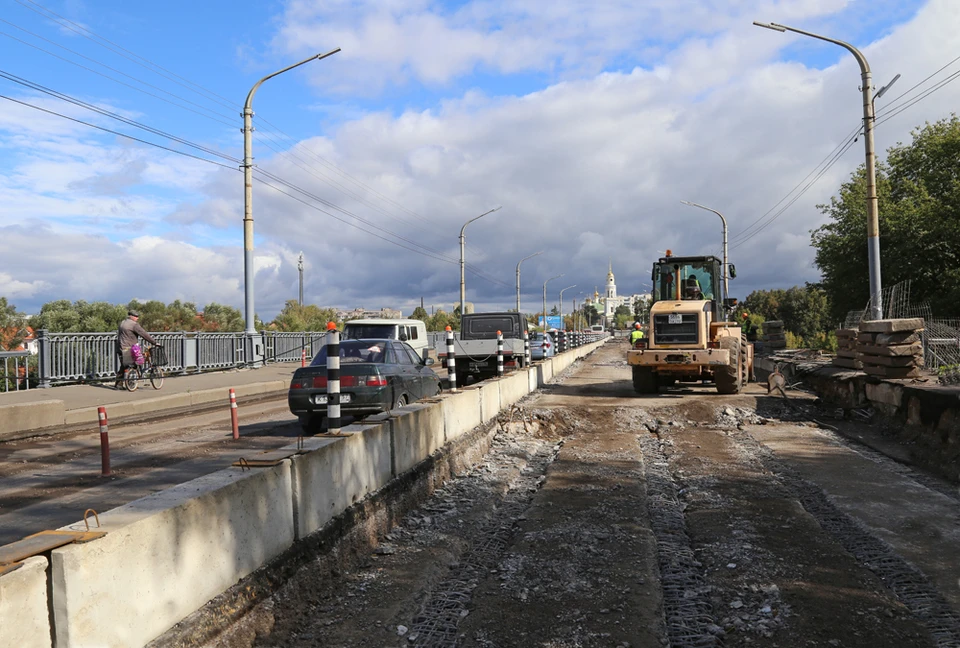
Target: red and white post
{"points": [[234, 419], [104, 442]]}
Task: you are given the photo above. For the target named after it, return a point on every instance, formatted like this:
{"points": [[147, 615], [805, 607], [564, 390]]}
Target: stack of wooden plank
{"points": [[773, 336], [891, 348], [847, 355]]}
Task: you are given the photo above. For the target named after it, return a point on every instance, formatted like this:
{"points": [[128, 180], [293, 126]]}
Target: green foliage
{"points": [[12, 325], [62, 316], [918, 193], [218, 317], [295, 317], [590, 312], [440, 320], [420, 313], [805, 312], [641, 309]]}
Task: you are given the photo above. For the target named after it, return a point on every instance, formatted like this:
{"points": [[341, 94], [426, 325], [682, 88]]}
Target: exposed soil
{"points": [[599, 518]]}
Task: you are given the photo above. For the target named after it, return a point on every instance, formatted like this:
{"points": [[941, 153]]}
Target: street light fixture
{"points": [[518, 275], [463, 290], [562, 326], [726, 267], [873, 219], [248, 273], [545, 299]]}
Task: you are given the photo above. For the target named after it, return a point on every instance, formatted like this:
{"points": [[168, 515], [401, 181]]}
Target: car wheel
{"points": [[401, 401]]}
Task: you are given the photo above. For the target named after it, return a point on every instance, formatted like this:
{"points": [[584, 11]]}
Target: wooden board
{"points": [[848, 363], [893, 372], [892, 361], [847, 353]]}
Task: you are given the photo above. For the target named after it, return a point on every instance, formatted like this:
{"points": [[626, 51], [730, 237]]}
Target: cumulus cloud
{"points": [[590, 166]]}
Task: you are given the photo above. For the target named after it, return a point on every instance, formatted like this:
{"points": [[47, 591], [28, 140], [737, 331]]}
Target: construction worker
{"points": [[636, 334], [692, 288]]}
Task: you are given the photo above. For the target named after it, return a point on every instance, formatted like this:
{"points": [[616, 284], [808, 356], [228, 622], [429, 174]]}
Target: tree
{"points": [[12, 325], [805, 312], [217, 317], [641, 309], [919, 202], [420, 313], [440, 320], [590, 312], [295, 317]]}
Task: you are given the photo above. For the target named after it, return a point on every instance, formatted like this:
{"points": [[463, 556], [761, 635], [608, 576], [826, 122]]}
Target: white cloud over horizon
{"points": [[589, 164]]}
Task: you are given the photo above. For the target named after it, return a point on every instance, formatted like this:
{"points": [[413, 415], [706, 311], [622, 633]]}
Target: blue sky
{"points": [[587, 121]]}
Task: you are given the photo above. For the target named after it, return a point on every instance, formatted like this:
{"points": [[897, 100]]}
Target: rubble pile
{"points": [[891, 348], [847, 355], [773, 335]]}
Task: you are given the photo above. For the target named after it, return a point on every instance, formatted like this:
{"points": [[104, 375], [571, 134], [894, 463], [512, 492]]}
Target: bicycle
{"points": [[149, 369]]}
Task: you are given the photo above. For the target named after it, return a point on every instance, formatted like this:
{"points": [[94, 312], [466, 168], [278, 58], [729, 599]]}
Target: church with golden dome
{"points": [[608, 303]]}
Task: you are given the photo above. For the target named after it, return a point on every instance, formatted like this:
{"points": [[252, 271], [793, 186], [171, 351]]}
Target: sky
{"points": [[586, 122]]}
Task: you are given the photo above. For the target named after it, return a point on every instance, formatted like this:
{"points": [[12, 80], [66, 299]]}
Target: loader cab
{"points": [[688, 279]]}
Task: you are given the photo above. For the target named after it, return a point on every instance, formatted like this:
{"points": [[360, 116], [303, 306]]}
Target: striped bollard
{"points": [[104, 443], [234, 420], [526, 349], [333, 379], [451, 361], [499, 353], [561, 341]]}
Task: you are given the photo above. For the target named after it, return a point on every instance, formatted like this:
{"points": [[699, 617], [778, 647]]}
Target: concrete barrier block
{"points": [[489, 400], [545, 371], [338, 472], [533, 378], [461, 413], [885, 393], [417, 431], [30, 416], [513, 387], [166, 555], [24, 615]]}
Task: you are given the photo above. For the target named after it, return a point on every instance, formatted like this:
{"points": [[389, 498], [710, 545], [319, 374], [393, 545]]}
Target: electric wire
{"points": [[197, 110], [107, 113], [909, 104], [117, 133], [893, 102]]}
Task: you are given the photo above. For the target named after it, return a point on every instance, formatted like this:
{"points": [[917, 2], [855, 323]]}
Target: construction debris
{"points": [[847, 355], [773, 335], [891, 348]]}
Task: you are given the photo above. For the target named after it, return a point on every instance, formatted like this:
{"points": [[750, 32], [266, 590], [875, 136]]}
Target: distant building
{"points": [[608, 303], [363, 313]]}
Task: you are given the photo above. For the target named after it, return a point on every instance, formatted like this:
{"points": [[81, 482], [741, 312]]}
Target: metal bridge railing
{"points": [[17, 366]]}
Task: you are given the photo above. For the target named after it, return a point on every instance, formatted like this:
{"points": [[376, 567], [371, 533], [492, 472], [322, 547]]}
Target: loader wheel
{"points": [[729, 378], [644, 380]]}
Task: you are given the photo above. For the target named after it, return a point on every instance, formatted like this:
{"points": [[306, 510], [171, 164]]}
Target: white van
{"points": [[411, 331]]}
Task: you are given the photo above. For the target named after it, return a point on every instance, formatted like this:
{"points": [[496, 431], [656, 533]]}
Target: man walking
{"points": [[127, 335]]}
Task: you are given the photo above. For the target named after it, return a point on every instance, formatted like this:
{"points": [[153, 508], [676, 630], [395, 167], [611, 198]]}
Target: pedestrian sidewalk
{"points": [[27, 413]]}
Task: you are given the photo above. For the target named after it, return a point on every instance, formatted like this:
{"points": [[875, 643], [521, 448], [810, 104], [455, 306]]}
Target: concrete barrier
{"points": [[461, 413], [336, 472], [544, 371], [167, 554], [513, 387], [417, 432], [31, 416], [24, 615], [489, 399]]}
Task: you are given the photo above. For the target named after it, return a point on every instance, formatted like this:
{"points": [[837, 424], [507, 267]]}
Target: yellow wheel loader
{"points": [[689, 338]]}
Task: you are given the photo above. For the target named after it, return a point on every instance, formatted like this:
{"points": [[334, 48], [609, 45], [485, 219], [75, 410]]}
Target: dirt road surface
{"points": [[686, 519]]}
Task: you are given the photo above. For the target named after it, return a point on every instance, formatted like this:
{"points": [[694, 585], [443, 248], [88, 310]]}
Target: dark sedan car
{"points": [[375, 376]]}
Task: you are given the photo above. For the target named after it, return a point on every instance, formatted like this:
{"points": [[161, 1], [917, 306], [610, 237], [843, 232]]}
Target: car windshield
{"points": [[354, 351], [696, 280], [369, 331]]}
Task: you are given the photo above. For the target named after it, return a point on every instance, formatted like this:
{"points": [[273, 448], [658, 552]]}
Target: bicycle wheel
{"points": [[131, 378], [156, 377]]}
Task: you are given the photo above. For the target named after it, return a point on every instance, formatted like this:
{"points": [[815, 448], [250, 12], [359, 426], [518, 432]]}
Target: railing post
{"points": [[45, 360], [526, 349], [451, 361], [333, 379], [499, 353]]}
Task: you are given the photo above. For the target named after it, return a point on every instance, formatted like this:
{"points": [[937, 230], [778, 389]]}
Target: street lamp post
{"points": [[518, 275], [873, 218], [545, 299], [300, 270], [248, 191], [562, 326], [726, 268], [463, 290]]}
